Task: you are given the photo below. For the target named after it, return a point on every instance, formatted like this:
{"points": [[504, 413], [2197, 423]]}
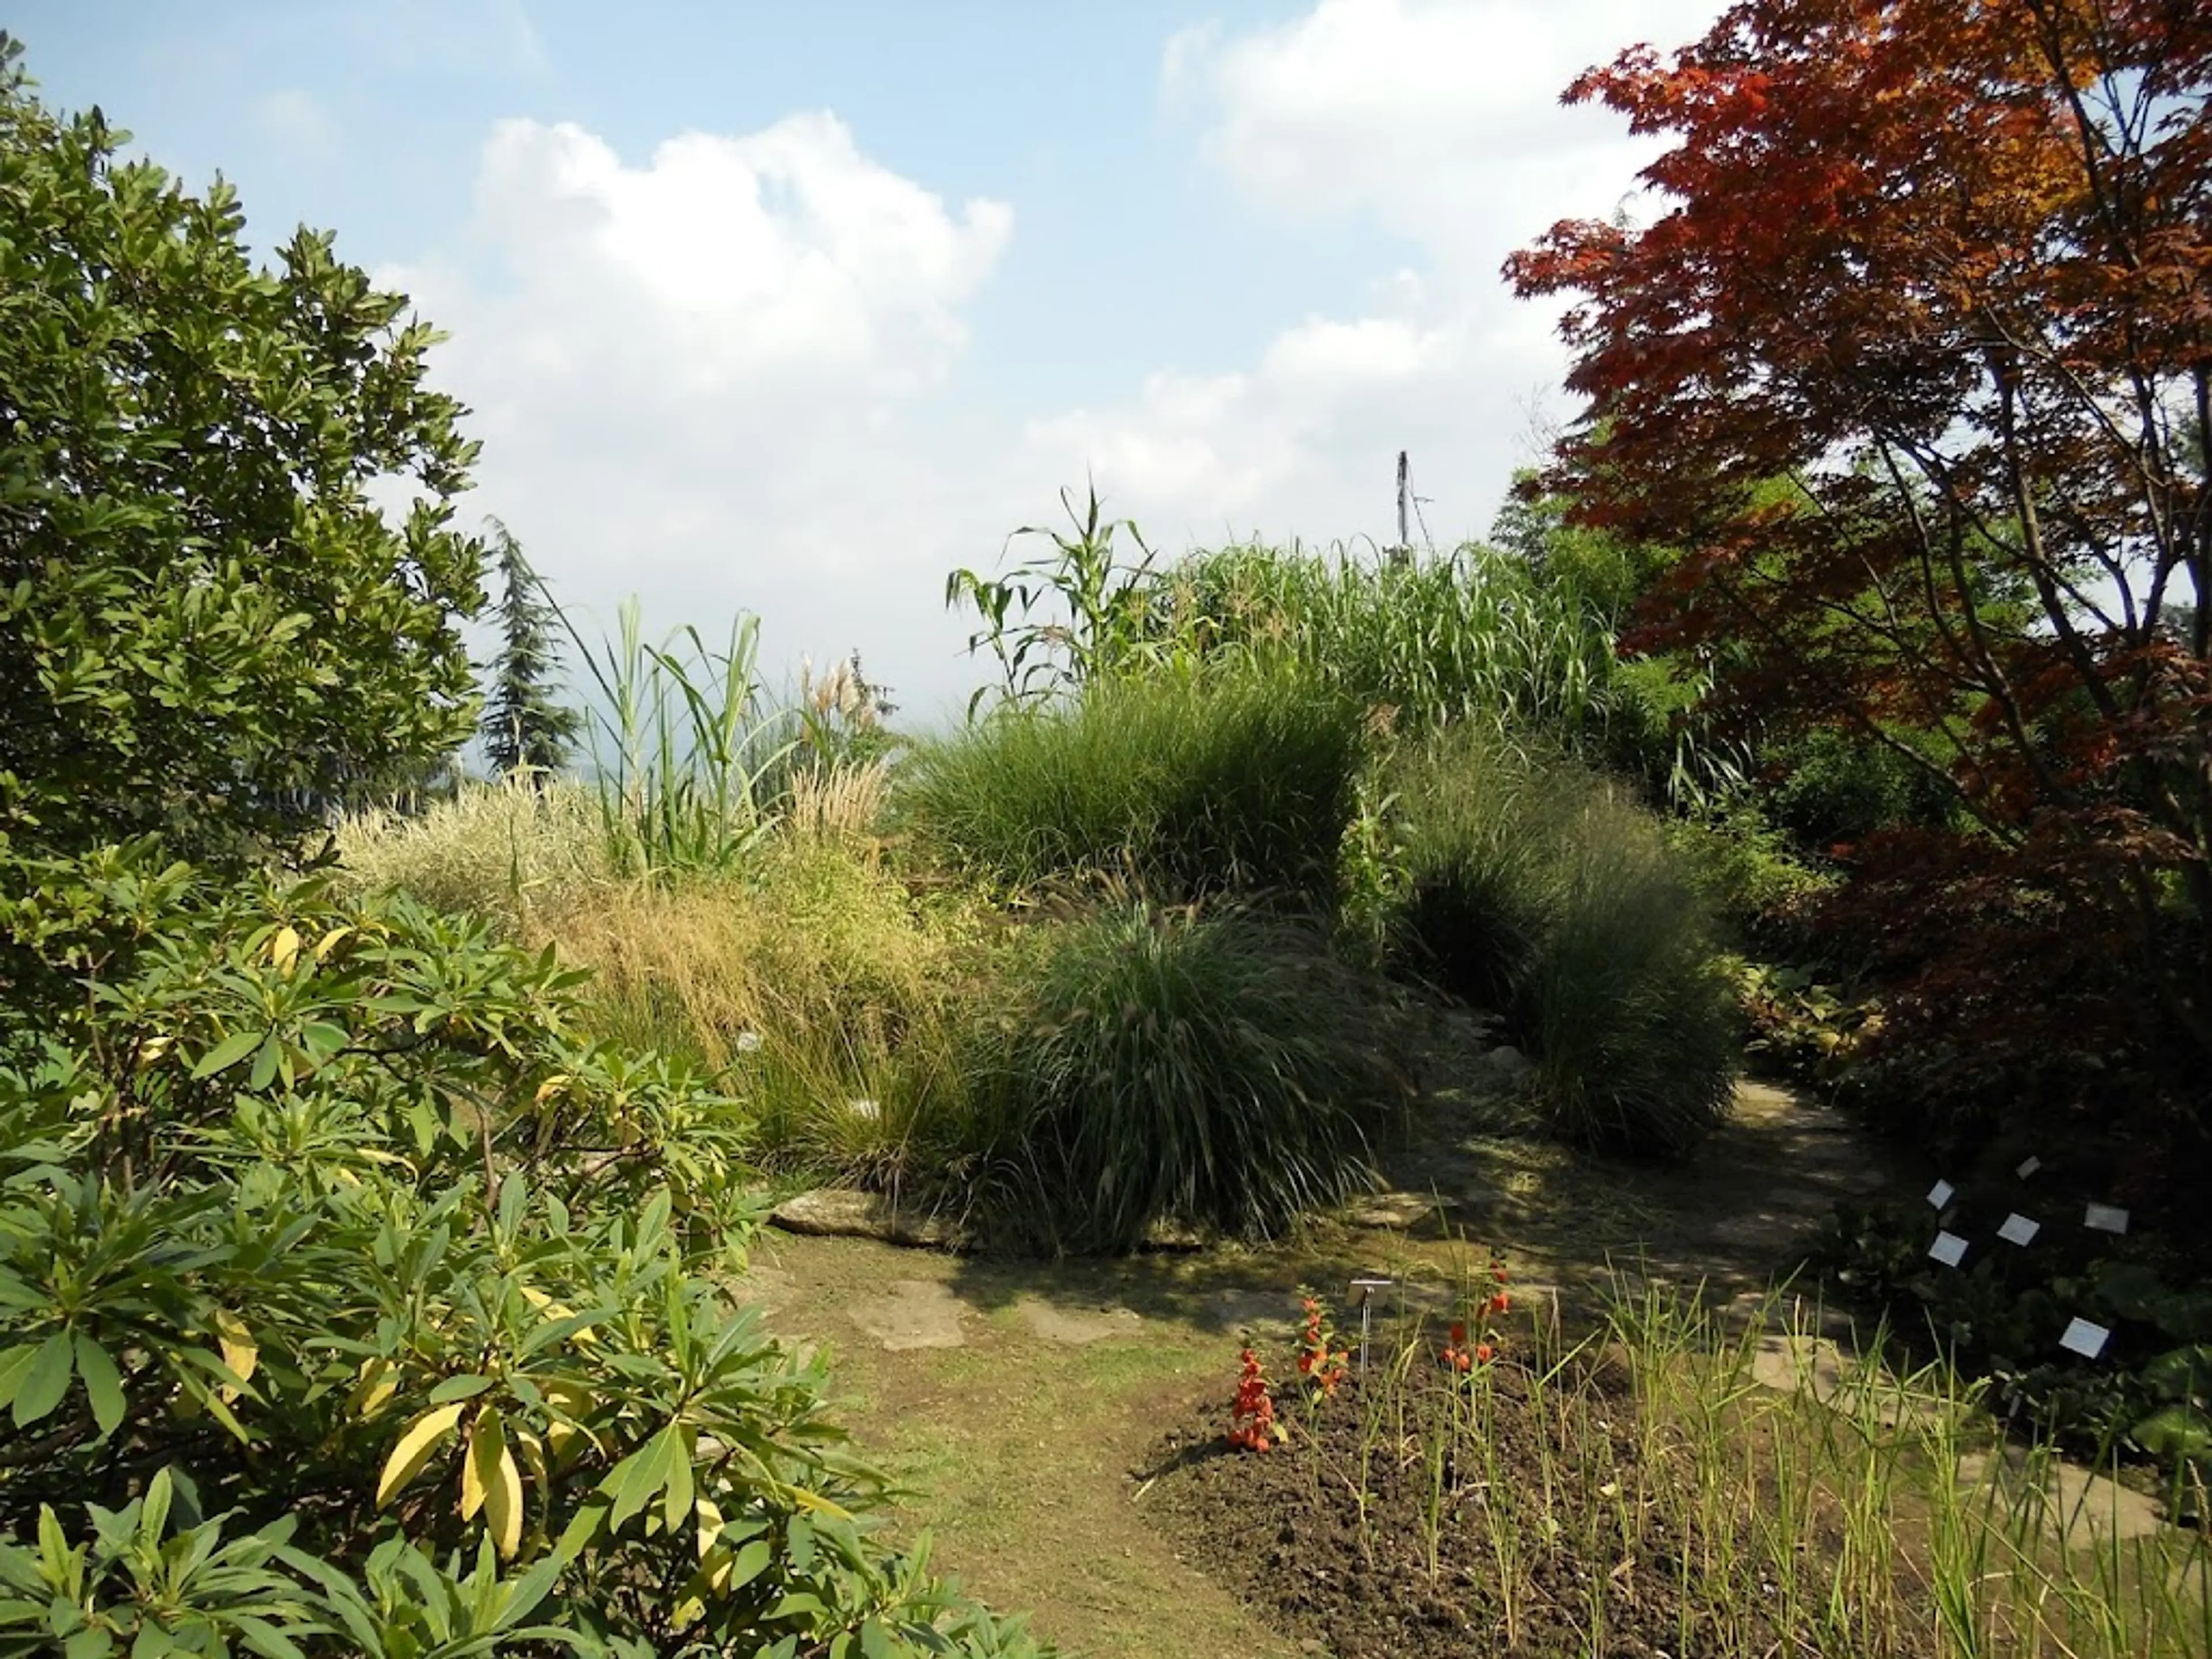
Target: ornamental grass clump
{"points": [[1177, 1066], [1535, 889], [1194, 783]]}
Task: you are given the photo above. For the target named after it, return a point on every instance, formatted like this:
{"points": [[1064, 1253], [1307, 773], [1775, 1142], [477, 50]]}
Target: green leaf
{"points": [[2176, 1432], [47, 1380], [227, 1052], [750, 1562], [15, 1363], [264, 1063], [103, 1383], [644, 1472], [458, 1387]]}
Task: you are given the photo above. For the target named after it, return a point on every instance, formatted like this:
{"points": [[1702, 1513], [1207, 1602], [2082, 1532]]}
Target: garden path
{"points": [[1020, 1399]]}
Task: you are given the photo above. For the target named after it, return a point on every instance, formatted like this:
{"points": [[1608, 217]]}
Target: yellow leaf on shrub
{"points": [[239, 1350], [284, 949], [415, 1447], [380, 1380], [710, 1525], [531, 1452], [473, 1461], [503, 1504], [329, 942], [551, 1086], [491, 1482], [568, 1399]]}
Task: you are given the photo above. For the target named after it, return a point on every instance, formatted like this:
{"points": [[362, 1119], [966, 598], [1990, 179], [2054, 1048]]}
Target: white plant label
{"points": [[2029, 1166], [2018, 1229], [2106, 1218], [2085, 1339], [1948, 1248], [1940, 1194]]}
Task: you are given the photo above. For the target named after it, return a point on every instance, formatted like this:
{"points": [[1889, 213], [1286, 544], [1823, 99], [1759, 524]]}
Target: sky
{"points": [[792, 308]]}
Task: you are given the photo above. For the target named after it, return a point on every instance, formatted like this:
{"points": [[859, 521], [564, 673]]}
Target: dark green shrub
{"points": [[1187, 1068], [207, 628], [1194, 784], [1539, 891]]}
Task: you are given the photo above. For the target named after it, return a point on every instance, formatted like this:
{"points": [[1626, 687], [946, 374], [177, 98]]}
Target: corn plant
{"points": [[1107, 605]]}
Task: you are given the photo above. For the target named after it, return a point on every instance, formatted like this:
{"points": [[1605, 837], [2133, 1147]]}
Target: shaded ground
{"points": [[1024, 1400]]}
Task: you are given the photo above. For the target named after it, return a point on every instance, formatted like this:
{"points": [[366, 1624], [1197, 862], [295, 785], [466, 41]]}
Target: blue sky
{"points": [[792, 308]]}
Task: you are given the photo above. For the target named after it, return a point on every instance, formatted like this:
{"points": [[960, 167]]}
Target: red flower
{"points": [[1252, 1416]]}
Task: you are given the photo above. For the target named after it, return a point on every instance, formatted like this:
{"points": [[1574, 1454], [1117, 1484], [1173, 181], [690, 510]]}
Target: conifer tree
{"points": [[523, 727]]}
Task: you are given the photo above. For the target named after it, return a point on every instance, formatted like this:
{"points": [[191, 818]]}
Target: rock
{"points": [[2078, 1508], [1076, 1325], [1503, 1070], [1393, 1212], [913, 1313], [837, 1212], [1787, 1364], [1166, 1235]]}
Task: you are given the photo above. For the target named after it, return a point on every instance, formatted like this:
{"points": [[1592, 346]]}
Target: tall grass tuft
{"points": [[509, 851], [1190, 1068], [1194, 784], [1472, 635], [687, 762], [836, 1004], [1536, 889]]}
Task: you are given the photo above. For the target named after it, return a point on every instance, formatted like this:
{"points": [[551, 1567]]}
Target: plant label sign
{"points": [[1948, 1248], [2085, 1339], [2018, 1229], [2029, 1166], [2105, 1218], [1940, 1194]]}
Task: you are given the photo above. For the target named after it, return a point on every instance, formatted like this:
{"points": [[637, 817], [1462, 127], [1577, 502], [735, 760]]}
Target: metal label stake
{"points": [[1362, 1291]]}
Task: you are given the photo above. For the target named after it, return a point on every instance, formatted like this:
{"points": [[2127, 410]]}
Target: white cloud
{"points": [[731, 375], [709, 379], [1441, 118], [1439, 121]]}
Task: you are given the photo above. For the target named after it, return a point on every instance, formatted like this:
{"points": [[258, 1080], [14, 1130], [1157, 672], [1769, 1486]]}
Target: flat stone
{"points": [[1787, 1364], [1076, 1325], [1786, 1216], [2079, 1508], [1390, 1211], [913, 1313], [838, 1213]]}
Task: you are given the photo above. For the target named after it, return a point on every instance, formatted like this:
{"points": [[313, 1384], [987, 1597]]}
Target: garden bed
{"points": [[1377, 1527], [1645, 1492]]}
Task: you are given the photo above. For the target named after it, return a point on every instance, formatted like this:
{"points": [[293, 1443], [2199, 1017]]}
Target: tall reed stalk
{"points": [[687, 763]]}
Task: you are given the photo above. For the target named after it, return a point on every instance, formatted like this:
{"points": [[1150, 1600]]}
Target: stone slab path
{"points": [[1023, 1396]]}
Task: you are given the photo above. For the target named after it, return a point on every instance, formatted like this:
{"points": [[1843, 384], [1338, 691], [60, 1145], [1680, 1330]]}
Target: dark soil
{"points": [[1284, 1530]]}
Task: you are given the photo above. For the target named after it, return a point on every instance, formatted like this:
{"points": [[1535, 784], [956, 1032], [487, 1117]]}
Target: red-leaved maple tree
{"points": [[1915, 364]]}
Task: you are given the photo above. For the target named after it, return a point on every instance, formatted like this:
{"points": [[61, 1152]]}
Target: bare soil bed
{"points": [[1377, 1528]]}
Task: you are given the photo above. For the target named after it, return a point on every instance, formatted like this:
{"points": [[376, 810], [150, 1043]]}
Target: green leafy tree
{"points": [[207, 629], [523, 725]]}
